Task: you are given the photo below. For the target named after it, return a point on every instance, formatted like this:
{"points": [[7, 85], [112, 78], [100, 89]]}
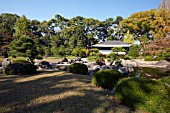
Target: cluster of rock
{"points": [[62, 65], [125, 70], [92, 67], [152, 64]]}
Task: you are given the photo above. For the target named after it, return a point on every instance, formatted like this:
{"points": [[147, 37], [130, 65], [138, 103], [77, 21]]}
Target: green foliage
{"points": [[134, 51], [83, 52], [100, 62], [7, 23], [118, 63], [94, 50], [62, 51], [114, 55], [23, 46], [20, 69], [151, 58], [128, 38], [91, 58], [78, 68], [111, 56], [144, 94], [94, 54], [22, 26], [106, 78], [165, 79], [127, 57], [116, 50], [167, 54], [75, 51], [152, 22]]}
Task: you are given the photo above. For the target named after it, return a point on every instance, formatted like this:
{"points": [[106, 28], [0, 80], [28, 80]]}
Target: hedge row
{"points": [[78, 68], [20, 67], [144, 94], [106, 78]]}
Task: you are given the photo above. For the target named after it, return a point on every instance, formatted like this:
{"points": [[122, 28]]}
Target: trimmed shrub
{"points": [[106, 78], [165, 79], [78, 68], [144, 94], [134, 51], [150, 58], [20, 69]]}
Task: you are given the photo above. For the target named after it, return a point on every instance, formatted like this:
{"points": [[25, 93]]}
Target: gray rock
{"points": [[105, 67], [45, 65], [123, 70], [95, 67], [5, 63]]}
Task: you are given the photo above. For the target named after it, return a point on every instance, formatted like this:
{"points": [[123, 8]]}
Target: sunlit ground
{"points": [[55, 92]]}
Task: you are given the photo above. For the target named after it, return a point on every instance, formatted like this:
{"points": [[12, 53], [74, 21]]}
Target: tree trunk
{"points": [[31, 59]]}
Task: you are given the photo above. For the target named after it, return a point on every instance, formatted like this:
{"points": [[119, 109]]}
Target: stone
{"points": [[104, 67], [95, 67], [64, 59], [45, 65], [78, 59], [123, 70], [5, 63]]}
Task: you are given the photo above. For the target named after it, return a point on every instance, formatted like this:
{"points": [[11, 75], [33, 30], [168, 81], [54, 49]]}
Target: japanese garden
{"points": [[85, 65]]}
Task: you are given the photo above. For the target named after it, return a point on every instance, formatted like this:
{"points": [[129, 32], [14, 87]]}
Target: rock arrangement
{"points": [[125, 67], [163, 63], [125, 70]]}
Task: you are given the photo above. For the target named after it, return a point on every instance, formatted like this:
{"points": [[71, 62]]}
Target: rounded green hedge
{"points": [[78, 68], [20, 69], [106, 78], [144, 94], [165, 79]]}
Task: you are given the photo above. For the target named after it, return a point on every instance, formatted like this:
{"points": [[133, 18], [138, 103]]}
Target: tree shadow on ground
{"points": [[55, 92]]}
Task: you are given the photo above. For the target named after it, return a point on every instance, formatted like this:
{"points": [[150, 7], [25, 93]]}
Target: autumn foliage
{"points": [[158, 46]]}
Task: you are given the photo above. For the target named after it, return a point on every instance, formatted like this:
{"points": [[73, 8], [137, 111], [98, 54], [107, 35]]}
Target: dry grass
{"points": [[1, 59], [48, 59], [55, 92]]}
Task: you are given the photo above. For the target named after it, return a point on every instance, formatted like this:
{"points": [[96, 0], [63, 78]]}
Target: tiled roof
{"points": [[111, 44]]}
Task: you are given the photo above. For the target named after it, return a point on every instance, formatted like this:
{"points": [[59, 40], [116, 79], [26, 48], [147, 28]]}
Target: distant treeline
{"points": [[61, 36]]}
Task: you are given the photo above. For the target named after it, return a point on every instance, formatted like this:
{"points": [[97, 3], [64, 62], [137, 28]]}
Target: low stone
{"points": [[45, 65], [96, 67], [104, 67], [5, 63], [123, 70], [64, 59]]}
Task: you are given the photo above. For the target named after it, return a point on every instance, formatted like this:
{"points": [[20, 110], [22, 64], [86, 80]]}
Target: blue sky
{"points": [[98, 9]]}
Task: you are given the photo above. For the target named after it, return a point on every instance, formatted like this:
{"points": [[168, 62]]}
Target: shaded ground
{"points": [[55, 92]]}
